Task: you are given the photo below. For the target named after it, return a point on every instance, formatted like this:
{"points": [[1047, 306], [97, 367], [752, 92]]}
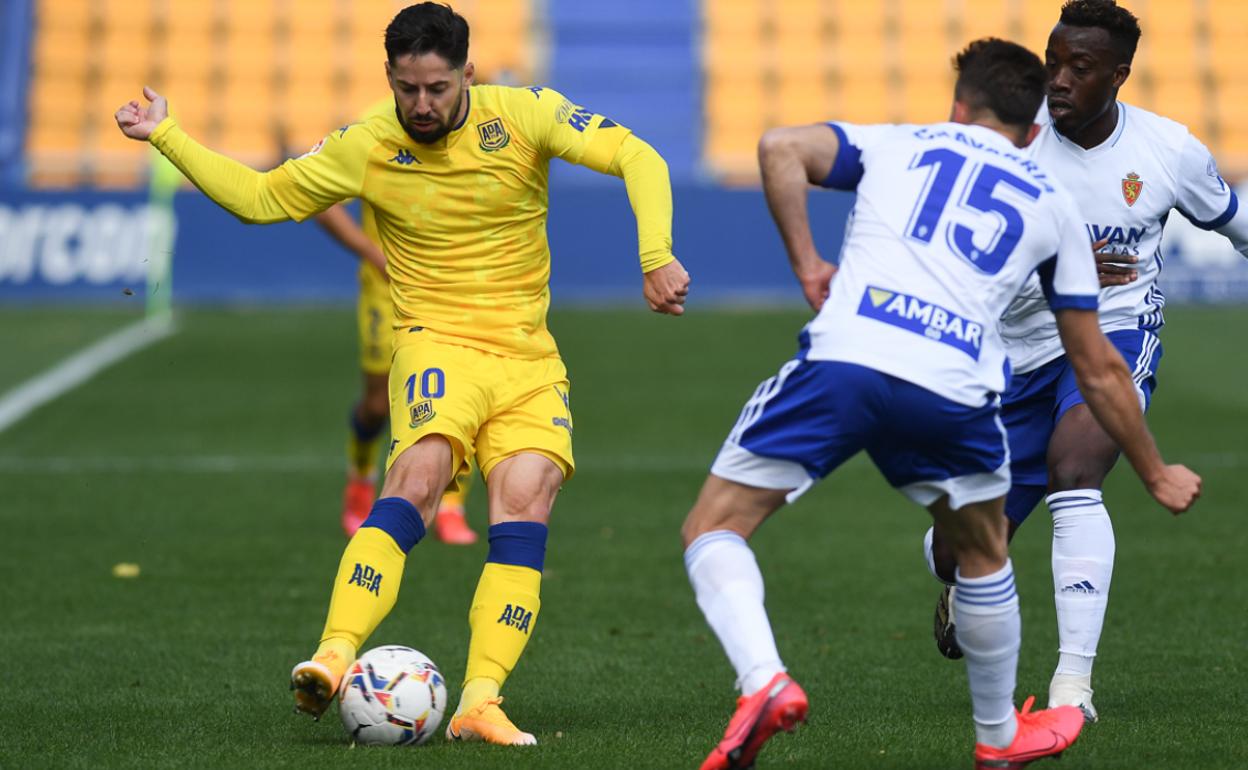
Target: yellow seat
{"points": [[983, 18], [865, 99]]}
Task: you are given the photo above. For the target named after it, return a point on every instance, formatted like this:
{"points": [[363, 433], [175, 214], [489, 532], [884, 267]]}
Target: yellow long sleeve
{"points": [[650, 194], [239, 189]]}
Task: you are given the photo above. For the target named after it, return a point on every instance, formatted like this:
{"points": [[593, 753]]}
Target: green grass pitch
{"points": [[214, 461]]}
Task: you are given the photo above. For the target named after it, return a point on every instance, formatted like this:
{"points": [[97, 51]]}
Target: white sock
{"points": [[989, 633], [929, 555], [729, 589], [1083, 563]]}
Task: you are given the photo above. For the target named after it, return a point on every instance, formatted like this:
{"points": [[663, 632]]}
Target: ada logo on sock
{"points": [[367, 578], [517, 617]]}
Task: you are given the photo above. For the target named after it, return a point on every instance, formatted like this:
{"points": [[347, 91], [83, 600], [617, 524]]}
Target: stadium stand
{"points": [[703, 81], [775, 62], [253, 78]]}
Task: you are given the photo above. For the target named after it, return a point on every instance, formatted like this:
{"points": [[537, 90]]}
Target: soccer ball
{"points": [[392, 696]]}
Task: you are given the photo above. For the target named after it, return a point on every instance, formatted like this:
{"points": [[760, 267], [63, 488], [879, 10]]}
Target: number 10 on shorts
{"points": [[432, 383]]}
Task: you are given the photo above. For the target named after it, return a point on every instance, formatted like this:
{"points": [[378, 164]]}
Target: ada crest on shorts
{"points": [[422, 412], [1131, 188]]}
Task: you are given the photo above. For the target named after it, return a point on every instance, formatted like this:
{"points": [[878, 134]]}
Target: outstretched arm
{"points": [[295, 190], [343, 228], [1110, 393], [792, 159], [665, 281], [232, 185]]}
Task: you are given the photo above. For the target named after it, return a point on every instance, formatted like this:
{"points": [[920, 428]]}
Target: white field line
{"points": [[79, 368]]}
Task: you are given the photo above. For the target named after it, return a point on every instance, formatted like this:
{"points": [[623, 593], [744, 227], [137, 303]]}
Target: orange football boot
{"points": [[451, 527], [357, 502], [778, 706], [315, 681], [1041, 734], [487, 722]]}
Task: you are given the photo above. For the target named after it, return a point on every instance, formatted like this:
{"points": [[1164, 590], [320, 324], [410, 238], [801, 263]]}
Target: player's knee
{"points": [[1072, 471], [526, 496]]}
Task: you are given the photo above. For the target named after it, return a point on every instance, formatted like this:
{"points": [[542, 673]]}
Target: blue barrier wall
{"points": [[91, 247], [16, 32]]}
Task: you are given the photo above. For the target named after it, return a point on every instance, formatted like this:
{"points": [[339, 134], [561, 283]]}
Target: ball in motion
{"points": [[392, 696]]}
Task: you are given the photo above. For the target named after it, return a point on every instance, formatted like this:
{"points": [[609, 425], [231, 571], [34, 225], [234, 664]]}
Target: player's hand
{"points": [[1114, 269], [138, 122], [1176, 488], [816, 282], [666, 288]]}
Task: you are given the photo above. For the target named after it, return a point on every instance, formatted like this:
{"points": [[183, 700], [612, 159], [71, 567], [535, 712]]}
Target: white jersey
{"points": [[1123, 189], [950, 221]]}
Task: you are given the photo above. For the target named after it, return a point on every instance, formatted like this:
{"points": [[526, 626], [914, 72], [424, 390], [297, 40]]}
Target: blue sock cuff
{"points": [[399, 519], [363, 432], [520, 543]]}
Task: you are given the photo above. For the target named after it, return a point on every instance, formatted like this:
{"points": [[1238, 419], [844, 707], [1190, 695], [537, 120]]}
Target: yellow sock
{"points": [[366, 587], [476, 691], [337, 654], [502, 617]]}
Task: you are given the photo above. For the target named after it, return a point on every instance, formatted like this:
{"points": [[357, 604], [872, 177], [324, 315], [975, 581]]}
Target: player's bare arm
{"points": [[1110, 393], [791, 159], [343, 228]]}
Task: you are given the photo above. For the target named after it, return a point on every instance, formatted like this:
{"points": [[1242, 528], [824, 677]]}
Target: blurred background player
{"points": [[375, 325], [457, 177], [904, 361], [1127, 169]]}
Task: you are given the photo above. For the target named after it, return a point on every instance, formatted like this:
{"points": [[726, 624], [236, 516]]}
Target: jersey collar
{"points": [[1108, 144]]}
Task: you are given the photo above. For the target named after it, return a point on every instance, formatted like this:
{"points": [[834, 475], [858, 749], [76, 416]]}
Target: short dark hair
{"points": [[1001, 76], [1121, 24], [428, 28]]}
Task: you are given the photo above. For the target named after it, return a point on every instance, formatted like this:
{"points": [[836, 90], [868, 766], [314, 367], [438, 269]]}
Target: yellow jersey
{"points": [[462, 221]]}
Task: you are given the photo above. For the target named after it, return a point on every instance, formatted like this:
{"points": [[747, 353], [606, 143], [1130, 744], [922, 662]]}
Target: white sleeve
{"points": [[847, 169], [1203, 197], [1069, 277]]}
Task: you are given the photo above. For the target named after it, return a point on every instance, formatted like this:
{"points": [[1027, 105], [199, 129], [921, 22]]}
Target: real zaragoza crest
{"points": [[1131, 188], [493, 135]]}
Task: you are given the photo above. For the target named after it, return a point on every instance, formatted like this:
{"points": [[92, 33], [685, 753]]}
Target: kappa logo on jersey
{"points": [[517, 617], [914, 315], [405, 158], [315, 149], [367, 578], [493, 135], [421, 413], [1131, 188]]}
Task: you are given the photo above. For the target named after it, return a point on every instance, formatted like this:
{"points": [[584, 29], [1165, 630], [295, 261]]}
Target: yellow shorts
{"points": [[374, 316], [488, 406]]}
